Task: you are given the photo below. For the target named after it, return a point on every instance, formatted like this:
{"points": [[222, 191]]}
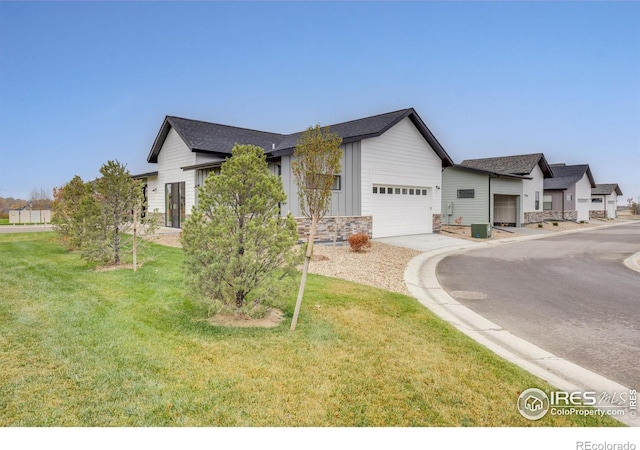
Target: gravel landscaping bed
{"points": [[380, 266]]}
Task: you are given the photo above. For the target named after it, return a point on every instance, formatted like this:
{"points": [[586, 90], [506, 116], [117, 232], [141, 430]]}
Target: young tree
{"points": [[236, 245], [69, 205], [316, 163], [118, 195], [92, 217]]}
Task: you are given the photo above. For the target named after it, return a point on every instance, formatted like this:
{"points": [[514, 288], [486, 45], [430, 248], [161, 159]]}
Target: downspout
{"points": [[563, 195], [489, 205]]}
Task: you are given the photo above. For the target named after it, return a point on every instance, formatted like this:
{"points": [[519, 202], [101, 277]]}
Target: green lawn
{"points": [[4, 221], [80, 347]]}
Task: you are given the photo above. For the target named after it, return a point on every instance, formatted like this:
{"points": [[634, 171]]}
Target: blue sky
{"points": [[82, 83]]}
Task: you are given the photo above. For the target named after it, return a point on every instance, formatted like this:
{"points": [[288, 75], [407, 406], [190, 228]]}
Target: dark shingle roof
{"points": [[516, 165], [211, 137], [606, 189], [566, 176], [215, 138]]}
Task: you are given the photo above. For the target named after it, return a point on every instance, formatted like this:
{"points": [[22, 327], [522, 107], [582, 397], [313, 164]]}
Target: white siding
{"points": [[400, 157], [173, 155], [583, 198], [530, 189]]}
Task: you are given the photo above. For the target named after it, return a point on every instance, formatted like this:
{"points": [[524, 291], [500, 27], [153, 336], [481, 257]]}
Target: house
{"points": [[389, 184], [505, 190], [567, 196], [604, 201]]}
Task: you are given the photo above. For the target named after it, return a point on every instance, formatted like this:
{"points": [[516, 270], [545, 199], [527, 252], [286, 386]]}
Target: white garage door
{"points": [[401, 210]]}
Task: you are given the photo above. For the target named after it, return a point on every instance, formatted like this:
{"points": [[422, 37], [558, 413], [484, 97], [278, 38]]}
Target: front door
{"points": [[174, 204]]}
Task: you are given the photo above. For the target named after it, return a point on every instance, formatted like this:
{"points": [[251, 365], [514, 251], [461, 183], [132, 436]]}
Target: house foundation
{"points": [[337, 228]]}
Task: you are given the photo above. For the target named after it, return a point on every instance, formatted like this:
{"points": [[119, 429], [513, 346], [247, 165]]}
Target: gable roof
{"points": [[606, 189], [489, 172], [206, 137], [219, 139], [515, 165], [566, 176]]}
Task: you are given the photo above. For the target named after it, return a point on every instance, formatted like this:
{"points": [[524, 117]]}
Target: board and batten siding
{"points": [[401, 156], [472, 210], [344, 202], [173, 155]]}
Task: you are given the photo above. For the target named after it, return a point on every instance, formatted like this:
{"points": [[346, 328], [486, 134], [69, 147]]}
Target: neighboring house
{"points": [[505, 190], [389, 185], [567, 196], [604, 201]]}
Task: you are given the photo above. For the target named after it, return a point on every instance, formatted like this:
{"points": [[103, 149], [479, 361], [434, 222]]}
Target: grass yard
{"points": [[4, 221], [80, 347]]}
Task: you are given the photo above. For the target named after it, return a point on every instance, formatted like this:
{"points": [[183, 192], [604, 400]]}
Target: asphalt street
{"points": [[569, 294]]}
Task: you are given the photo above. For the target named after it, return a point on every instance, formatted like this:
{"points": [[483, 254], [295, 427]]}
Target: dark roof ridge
{"points": [[224, 125]]}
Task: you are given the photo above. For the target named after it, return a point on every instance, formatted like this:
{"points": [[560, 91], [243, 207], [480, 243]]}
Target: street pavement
{"points": [[565, 374], [569, 294]]}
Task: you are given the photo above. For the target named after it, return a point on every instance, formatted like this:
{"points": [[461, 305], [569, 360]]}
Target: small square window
{"points": [[383, 190], [404, 191], [417, 191], [397, 190], [424, 192], [375, 189], [389, 190], [411, 191]]}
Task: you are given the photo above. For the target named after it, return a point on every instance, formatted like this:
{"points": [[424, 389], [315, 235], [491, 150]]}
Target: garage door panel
{"points": [[401, 212]]}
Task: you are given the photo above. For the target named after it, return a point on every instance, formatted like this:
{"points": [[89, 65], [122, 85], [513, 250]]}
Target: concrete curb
{"points": [[421, 280]]}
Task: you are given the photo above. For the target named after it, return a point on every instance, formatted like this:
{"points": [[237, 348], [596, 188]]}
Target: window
{"points": [[337, 183], [537, 200], [411, 191], [466, 193], [389, 190], [397, 191], [383, 190], [424, 192], [404, 191], [596, 200], [375, 189], [547, 202], [569, 197]]}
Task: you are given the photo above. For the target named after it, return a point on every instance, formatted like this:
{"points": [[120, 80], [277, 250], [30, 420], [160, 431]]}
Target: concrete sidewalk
{"points": [[421, 280]]}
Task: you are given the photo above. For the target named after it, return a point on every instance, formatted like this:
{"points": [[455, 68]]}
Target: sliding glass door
{"points": [[174, 196]]}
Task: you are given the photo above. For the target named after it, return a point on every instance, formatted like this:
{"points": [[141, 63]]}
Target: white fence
{"points": [[29, 216]]}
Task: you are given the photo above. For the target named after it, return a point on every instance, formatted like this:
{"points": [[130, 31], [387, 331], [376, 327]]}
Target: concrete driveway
{"points": [[569, 294]]}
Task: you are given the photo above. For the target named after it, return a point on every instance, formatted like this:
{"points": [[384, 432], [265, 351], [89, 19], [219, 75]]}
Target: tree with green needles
{"points": [[237, 247], [315, 164], [93, 217]]}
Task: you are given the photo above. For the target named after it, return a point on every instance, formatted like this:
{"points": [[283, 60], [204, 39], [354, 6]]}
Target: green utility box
{"points": [[481, 230]]}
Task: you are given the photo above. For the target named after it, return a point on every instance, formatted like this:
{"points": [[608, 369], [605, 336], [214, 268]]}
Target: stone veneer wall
{"points": [[540, 216], [437, 223], [338, 228], [598, 214]]}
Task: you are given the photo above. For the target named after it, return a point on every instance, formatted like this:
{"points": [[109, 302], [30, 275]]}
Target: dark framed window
{"points": [[337, 183], [537, 200], [547, 202], [466, 193], [596, 200]]}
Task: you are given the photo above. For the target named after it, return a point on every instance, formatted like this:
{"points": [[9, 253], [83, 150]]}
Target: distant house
{"points": [[389, 184], [604, 201], [505, 190], [567, 196]]}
